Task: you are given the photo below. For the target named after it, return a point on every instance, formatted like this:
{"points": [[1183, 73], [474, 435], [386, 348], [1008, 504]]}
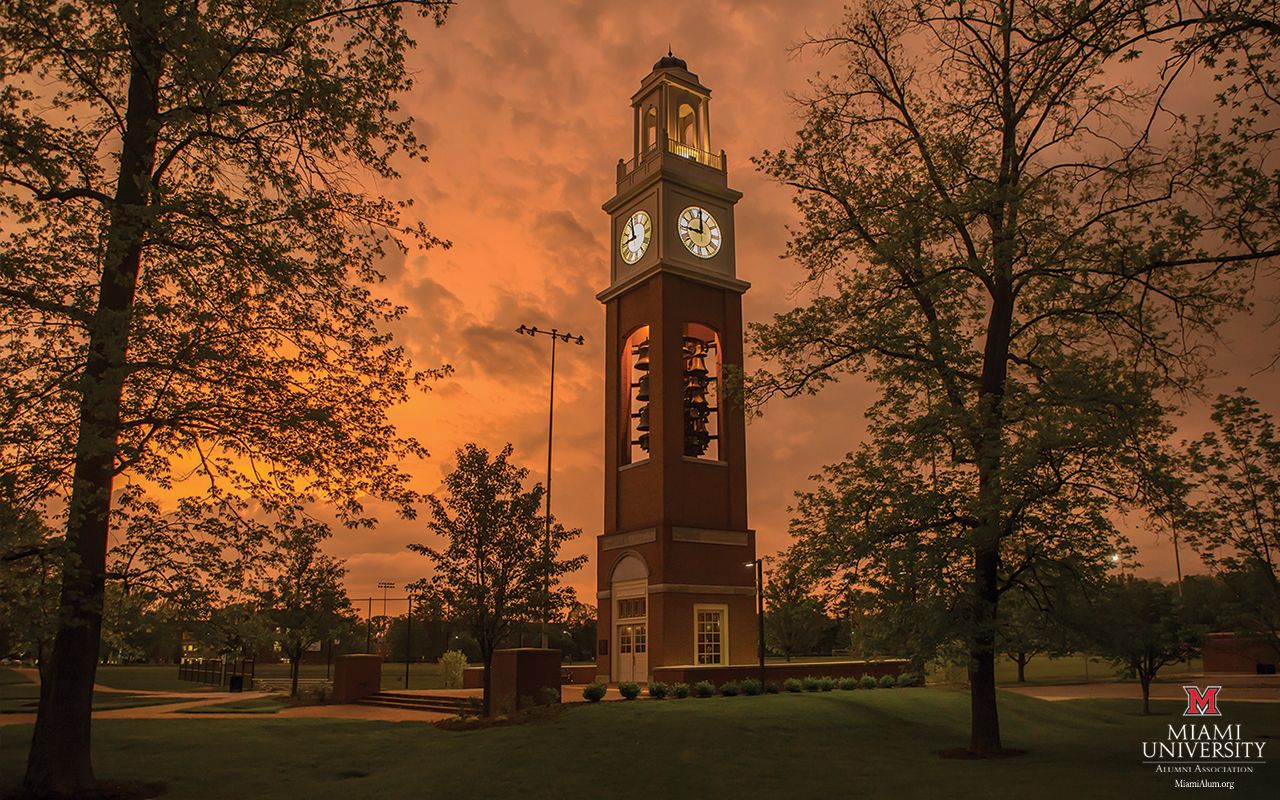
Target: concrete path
{"points": [[1236, 688]]}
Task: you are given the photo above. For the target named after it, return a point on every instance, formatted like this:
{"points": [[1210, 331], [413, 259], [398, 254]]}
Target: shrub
{"points": [[680, 690], [867, 682], [548, 696], [811, 684], [658, 690], [629, 690], [594, 692], [826, 684], [771, 687], [793, 685], [452, 663], [704, 688], [848, 683], [731, 689], [908, 679], [752, 686], [888, 682]]}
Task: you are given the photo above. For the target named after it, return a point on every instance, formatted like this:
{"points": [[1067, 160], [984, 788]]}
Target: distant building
{"points": [[1228, 652]]}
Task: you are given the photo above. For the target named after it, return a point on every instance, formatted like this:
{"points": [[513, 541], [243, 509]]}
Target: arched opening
{"points": [[629, 592], [687, 125], [650, 128], [635, 391], [701, 391]]}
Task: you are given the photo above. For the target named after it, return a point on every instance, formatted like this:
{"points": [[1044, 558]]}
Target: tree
{"points": [[794, 619], [1139, 625], [1027, 631], [1235, 517], [305, 601], [496, 567], [187, 272], [989, 240]]}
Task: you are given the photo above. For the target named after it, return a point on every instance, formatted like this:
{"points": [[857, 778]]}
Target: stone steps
{"points": [[437, 703]]}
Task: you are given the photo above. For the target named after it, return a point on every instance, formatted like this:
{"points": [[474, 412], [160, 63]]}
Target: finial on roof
{"points": [[670, 60]]}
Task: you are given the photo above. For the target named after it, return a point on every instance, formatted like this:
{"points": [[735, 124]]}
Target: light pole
{"points": [[408, 640], [759, 565], [384, 586], [566, 337]]}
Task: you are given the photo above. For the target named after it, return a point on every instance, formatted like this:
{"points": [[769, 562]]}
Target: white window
{"points": [[710, 634]]}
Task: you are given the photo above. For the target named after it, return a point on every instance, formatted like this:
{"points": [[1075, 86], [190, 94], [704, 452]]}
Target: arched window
{"points": [[701, 391], [635, 390], [650, 128], [687, 125]]}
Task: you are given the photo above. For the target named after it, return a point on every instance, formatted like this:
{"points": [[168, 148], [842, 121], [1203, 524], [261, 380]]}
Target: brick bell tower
{"points": [[673, 585]]}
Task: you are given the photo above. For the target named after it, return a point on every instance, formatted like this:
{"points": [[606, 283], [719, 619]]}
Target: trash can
{"points": [[236, 683]]}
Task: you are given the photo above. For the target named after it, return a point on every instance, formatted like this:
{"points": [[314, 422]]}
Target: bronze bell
{"points": [[643, 442], [642, 389], [643, 424], [641, 352], [695, 396]]}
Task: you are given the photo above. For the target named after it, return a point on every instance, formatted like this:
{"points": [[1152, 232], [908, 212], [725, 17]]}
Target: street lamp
{"points": [[759, 565], [567, 338]]}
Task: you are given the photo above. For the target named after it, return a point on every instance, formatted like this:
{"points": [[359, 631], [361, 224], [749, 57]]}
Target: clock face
{"points": [[635, 237], [699, 232]]}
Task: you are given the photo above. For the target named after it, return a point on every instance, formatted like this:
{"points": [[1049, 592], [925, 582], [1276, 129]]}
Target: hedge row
{"points": [[658, 690]]}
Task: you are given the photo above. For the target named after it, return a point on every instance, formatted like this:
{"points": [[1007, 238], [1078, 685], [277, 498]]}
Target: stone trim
{"points": [[695, 588], [616, 541], [708, 536]]}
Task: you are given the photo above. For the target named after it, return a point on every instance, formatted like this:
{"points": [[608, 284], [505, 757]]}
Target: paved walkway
{"points": [[1236, 688]]}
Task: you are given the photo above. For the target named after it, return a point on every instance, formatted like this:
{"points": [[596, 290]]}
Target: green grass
{"points": [[832, 744], [249, 705], [1072, 669], [164, 678], [22, 698], [9, 677]]}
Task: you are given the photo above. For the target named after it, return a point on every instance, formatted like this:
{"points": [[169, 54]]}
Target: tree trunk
{"points": [[984, 725], [487, 656], [295, 661], [59, 762], [1146, 693], [1022, 668]]}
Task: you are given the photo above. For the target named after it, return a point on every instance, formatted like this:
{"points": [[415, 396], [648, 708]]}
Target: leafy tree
{"points": [[794, 619], [988, 241], [28, 583], [496, 567], [305, 601], [1235, 519], [1140, 626], [1027, 631], [187, 271]]}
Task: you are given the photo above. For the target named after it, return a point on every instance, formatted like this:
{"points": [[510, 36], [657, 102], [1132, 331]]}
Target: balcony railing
{"points": [[683, 150]]}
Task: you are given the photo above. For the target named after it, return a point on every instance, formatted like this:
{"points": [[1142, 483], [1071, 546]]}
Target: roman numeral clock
{"points": [[672, 587]]}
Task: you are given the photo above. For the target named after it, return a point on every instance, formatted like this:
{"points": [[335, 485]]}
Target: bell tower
{"points": [[673, 585]]}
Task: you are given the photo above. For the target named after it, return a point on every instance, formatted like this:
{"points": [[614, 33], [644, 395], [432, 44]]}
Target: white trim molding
{"points": [[616, 541], [710, 536]]}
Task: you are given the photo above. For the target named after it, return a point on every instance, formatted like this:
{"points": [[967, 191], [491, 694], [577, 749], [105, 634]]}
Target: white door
{"points": [[633, 652]]}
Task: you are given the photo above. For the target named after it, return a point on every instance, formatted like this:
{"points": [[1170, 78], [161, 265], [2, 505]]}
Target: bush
{"points": [[826, 684], [452, 663], [811, 684], [867, 682], [793, 685], [629, 690], [888, 682], [680, 690], [593, 692], [771, 687], [704, 688], [752, 687], [848, 683], [731, 689], [908, 679], [548, 696], [658, 690]]}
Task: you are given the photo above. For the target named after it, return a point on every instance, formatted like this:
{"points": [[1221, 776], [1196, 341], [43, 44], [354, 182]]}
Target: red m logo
{"points": [[1202, 704]]}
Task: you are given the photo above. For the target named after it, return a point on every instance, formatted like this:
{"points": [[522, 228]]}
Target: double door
{"points": [[633, 652]]}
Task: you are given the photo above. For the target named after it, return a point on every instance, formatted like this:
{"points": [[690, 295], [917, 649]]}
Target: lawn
{"points": [[9, 677], [164, 678], [840, 744], [22, 698], [249, 705]]}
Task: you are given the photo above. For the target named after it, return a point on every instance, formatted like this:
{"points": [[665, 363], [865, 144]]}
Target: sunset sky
{"points": [[525, 109]]}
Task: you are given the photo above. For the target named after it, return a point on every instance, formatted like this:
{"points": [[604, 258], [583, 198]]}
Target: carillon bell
{"points": [[642, 389], [641, 352], [695, 396], [643, 441], [643, 424]]}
